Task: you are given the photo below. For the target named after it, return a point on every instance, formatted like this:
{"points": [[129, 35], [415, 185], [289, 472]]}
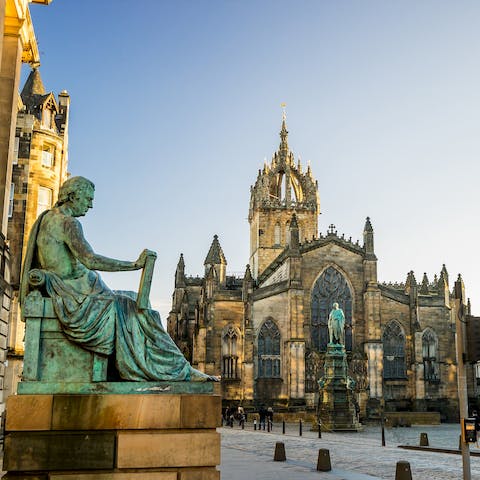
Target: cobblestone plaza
{"points": [[354, 456]]}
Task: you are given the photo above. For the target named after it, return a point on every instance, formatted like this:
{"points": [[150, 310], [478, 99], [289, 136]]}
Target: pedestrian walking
{"points": [[262, 414], [270, 417]]}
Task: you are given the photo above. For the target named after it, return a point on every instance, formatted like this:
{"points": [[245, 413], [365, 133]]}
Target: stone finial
{"points": [[215, 255], [331, 229], [368, 243], [459, 289], [424, 288], [444, 273], [180, 273], [411, 282]]}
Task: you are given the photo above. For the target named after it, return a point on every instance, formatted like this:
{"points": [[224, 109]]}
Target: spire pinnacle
{"points": [[284, 131], [215, 255], [424, 287]]}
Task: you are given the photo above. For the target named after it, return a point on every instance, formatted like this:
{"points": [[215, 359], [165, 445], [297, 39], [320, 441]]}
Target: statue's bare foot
{"points": [[198, 376]]}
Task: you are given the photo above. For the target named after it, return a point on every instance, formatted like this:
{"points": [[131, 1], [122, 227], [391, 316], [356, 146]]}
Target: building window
{"points": [[277, 234], [393, 352], [229, 351], [329, 288], [269, 350], [15, 150], [44, 199], [10, 203], [47, 157], [430, 356]]}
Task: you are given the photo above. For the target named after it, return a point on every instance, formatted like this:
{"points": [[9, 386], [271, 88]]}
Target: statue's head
{"points": [[335, 305], [78, 193]]}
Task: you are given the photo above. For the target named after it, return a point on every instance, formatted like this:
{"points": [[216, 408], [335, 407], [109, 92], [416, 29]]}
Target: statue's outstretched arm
{"points": [[84, 253]]}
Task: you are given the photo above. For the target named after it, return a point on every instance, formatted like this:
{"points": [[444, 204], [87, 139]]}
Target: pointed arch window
{"points": [[393, 352], [329, 288], [269, 350], [431, 369], [229, 353]]}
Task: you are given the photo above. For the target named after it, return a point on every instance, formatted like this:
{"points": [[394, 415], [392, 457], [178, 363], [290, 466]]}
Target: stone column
{"points": [[374, 351], [9, 84], [297, 369]]}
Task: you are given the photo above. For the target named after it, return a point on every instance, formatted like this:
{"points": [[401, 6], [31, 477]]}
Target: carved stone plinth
{"points": [[336, 405], [107, 436]]}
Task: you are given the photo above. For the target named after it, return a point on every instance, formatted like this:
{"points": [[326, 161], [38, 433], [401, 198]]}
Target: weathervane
{"points": [[284, 114]]}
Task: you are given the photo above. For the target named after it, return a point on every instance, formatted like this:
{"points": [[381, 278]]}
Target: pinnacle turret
{"points": [[216, 260], [180, 273], [424, 287], [215, 255], [33, 88]]}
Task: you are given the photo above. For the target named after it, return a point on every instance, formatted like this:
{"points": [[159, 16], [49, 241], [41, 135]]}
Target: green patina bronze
{"points": [[79, 331], [337, 402]]}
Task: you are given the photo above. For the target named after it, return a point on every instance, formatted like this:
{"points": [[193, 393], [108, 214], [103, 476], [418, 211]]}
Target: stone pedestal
{"points": [[336, 404], [146, 436]]}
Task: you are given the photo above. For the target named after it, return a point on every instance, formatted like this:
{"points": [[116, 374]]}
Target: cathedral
{"points": [[266, 334]]}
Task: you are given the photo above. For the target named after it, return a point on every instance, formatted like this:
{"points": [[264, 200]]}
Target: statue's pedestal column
{"points": [[149, 436], [336, 405]]}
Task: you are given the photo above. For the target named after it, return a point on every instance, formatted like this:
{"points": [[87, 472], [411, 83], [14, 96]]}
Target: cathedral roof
{"points": [[215, 255]]}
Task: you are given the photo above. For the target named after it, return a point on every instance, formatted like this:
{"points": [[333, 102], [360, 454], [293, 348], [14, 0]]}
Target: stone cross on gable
{"points": [[331, 229]]}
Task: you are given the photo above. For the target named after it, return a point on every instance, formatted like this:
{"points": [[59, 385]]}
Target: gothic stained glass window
{"points": [[393, 351], [269, 350], [329, 288], [430, 356]]}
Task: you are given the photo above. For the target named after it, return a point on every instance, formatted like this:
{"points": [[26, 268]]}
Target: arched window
{"points": [[277, 234], [287, 233], [330, 287], [393, 351], [430, 356], [269, 350], [229, 353]]}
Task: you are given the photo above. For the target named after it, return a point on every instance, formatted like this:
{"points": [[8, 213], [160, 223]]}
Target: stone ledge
{"points": [[112, 412], [119, 388]]}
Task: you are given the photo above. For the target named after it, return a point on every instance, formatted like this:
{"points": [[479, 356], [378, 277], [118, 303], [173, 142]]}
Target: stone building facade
{"points": [[39, 168], [18, 45], [266, 333]]}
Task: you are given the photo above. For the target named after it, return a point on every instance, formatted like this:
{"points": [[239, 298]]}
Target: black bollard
{"points": [[460, 442], [268, 425], [255, 424], [403, 471], [300, 428], [323, 463], [423, 440], [283, 427], [319, 429], [279, 455]]}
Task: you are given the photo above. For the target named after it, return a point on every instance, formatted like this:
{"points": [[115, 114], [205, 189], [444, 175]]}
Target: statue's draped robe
{"points": [[108, 322], [336, 323]]}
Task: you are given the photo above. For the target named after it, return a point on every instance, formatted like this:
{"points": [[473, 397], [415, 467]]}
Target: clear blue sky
{"points": [[176, 104]]}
